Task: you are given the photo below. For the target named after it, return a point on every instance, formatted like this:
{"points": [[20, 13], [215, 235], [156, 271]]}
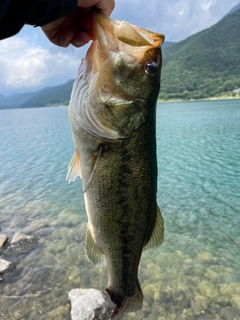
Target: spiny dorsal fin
{"points": [[92, 251], [158, 232], [74, 168]]}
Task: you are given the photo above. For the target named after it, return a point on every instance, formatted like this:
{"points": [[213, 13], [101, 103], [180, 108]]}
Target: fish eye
{"points": [[151, 68]]}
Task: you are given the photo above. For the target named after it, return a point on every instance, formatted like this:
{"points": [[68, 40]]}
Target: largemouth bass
{"points": [[113, 114]]}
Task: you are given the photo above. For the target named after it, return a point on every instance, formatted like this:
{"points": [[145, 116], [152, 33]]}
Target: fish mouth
{"points": [[120, 36]]}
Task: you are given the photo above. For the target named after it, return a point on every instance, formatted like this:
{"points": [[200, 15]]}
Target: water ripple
{"points": [[195, 269]]}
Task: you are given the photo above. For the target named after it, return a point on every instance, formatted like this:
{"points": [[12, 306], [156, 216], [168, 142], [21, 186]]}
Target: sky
{"points": [[29, 61]]}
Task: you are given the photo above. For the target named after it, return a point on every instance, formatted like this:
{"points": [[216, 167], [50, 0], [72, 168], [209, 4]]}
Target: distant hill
{"points": [[234, 9], [2, 98], [167, 44], [48, 96], [205, 64], [15, 100]]}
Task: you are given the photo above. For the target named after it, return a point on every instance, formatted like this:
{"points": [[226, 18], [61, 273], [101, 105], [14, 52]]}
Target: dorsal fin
{"points": [[158, 232], [74, 168]]}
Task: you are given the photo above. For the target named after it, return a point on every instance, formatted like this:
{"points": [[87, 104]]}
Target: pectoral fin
{"points": [[158, 232], [74, 168], [93, 170], [93, 252]]}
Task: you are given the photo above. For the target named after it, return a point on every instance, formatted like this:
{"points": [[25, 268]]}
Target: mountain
{"points": [[2, 98], [50, 96], [167, 44], [237, 7], [205, 64], [15, 100]]}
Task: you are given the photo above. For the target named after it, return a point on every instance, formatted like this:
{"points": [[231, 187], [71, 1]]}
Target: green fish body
{"points": [[113, 117]]}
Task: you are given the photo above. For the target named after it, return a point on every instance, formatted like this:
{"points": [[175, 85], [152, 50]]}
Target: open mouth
{"points": [[115, 36]]}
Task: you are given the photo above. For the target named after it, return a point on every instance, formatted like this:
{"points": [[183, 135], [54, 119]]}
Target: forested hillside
{"points": [[50, 96], [205, 64], [58, 95]]}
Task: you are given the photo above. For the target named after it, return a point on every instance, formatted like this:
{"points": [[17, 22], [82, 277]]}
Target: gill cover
{"points": [[96, 91]]}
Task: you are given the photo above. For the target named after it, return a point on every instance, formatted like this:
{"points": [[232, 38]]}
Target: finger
{"points": [[53, 25], [62, 39], [106, 6], [80, 39], [84, 18]]}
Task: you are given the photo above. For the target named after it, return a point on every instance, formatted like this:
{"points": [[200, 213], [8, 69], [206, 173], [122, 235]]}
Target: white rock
{"points": [[4, 265], [3, 239], [20, 237], [90, 304]]}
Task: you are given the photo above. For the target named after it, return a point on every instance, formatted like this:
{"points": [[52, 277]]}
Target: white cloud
{"points": [[28, 66], [176, 19], [29, 70], [207, 4]]}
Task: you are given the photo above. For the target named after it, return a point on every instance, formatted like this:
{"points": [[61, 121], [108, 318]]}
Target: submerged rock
{"points": [[3, 239], [61, 312], [205, 257], [4, 266], [198, 304], [230, 288], [228, 313], [236, 301], [18, 237], [89, 304]]}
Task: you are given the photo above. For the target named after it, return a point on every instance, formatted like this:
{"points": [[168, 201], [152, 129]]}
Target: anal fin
{"points": [[93, 252], [74, 168], [158, 232]]}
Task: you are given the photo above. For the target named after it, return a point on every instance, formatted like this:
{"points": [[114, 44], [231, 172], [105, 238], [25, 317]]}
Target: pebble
{"points": [[60, 313], [236, 301], [20, 237], [4, 266], [207, 289], [198, 304], [228, 313], [230, 288], [3, 239], [205, 257]]}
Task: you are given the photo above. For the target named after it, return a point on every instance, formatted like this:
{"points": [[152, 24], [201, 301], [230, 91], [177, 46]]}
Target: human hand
{"points": [[77, 29]]}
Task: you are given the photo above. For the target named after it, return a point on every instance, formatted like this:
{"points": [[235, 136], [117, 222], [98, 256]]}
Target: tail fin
{"points": [[126, 304]]}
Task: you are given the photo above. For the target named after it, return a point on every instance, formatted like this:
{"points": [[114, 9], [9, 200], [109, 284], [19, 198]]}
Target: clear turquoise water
{"points": [[195, 274]]}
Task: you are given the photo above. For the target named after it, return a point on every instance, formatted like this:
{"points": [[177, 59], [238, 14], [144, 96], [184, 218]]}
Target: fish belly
{"points": [[121, 205]]}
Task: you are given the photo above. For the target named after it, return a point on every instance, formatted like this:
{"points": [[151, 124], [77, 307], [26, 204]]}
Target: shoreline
{"points": [[198, 100], [159, 101]]}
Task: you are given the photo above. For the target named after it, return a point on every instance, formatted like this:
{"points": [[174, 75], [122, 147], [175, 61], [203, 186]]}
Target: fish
{"points": [[112, 113]]}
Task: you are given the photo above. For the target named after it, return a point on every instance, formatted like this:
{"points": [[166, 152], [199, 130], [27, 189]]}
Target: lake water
{"points": [[195, 274]]}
